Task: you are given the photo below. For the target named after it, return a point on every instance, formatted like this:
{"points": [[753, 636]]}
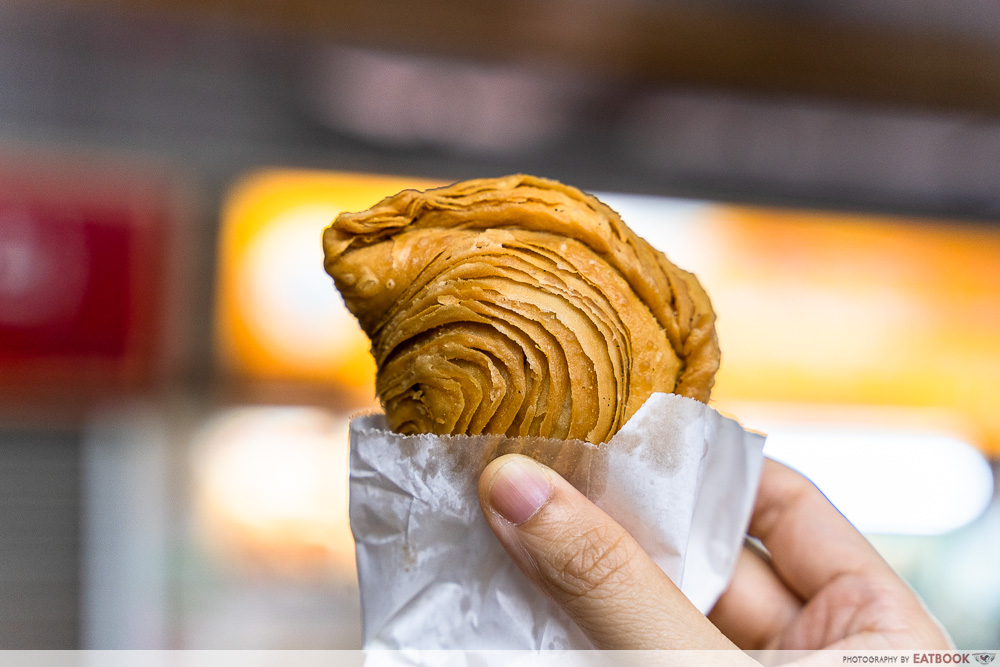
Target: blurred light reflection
{"points": [[889, 481], [271, 487]]}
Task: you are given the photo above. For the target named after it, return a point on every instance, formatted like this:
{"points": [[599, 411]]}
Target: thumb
{"points": [[587, 563]]}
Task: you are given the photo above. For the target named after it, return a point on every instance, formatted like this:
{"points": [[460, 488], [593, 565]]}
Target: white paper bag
{"points": [[680, 477]]}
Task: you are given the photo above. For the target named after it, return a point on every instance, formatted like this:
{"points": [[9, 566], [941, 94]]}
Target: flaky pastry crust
{"points": [[519, 306]]}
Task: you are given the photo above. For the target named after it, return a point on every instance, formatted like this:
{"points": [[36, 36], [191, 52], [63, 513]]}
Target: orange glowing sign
{"points": [[279, 316], [858, 310]]}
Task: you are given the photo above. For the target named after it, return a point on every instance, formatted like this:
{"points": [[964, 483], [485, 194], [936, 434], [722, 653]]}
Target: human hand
{"points": [[822, 586]]}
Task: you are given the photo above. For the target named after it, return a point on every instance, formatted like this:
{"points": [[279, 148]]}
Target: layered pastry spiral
{"points": [[518, 306]]}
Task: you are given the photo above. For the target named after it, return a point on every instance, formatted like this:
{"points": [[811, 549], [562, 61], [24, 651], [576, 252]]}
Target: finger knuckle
{"points": [[590, 564], [793, 490]]}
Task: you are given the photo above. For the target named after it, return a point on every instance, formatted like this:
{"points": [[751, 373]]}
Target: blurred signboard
{"points": [[855, 310], [84, 248], [279, 317]]}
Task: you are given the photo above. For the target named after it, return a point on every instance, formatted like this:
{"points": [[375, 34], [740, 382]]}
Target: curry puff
{"points": [[518, 306]]}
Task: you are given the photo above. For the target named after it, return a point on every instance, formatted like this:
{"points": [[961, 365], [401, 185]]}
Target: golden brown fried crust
{"points": [[520, 306]]}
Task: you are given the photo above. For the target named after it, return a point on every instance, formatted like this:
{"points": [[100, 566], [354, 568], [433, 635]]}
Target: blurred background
{"points": [[177, 371]]}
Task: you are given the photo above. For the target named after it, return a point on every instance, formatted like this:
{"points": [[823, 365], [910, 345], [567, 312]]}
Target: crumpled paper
{"points": [[679, 476]]}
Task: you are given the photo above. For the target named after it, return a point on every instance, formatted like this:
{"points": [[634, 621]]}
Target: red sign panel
{"points": [[82, 261]]}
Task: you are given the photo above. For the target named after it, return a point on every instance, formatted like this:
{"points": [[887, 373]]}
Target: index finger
{"points": [[809, 541]]}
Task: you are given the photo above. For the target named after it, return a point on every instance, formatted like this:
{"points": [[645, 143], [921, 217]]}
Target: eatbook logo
{"points": [[984, 658]]}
